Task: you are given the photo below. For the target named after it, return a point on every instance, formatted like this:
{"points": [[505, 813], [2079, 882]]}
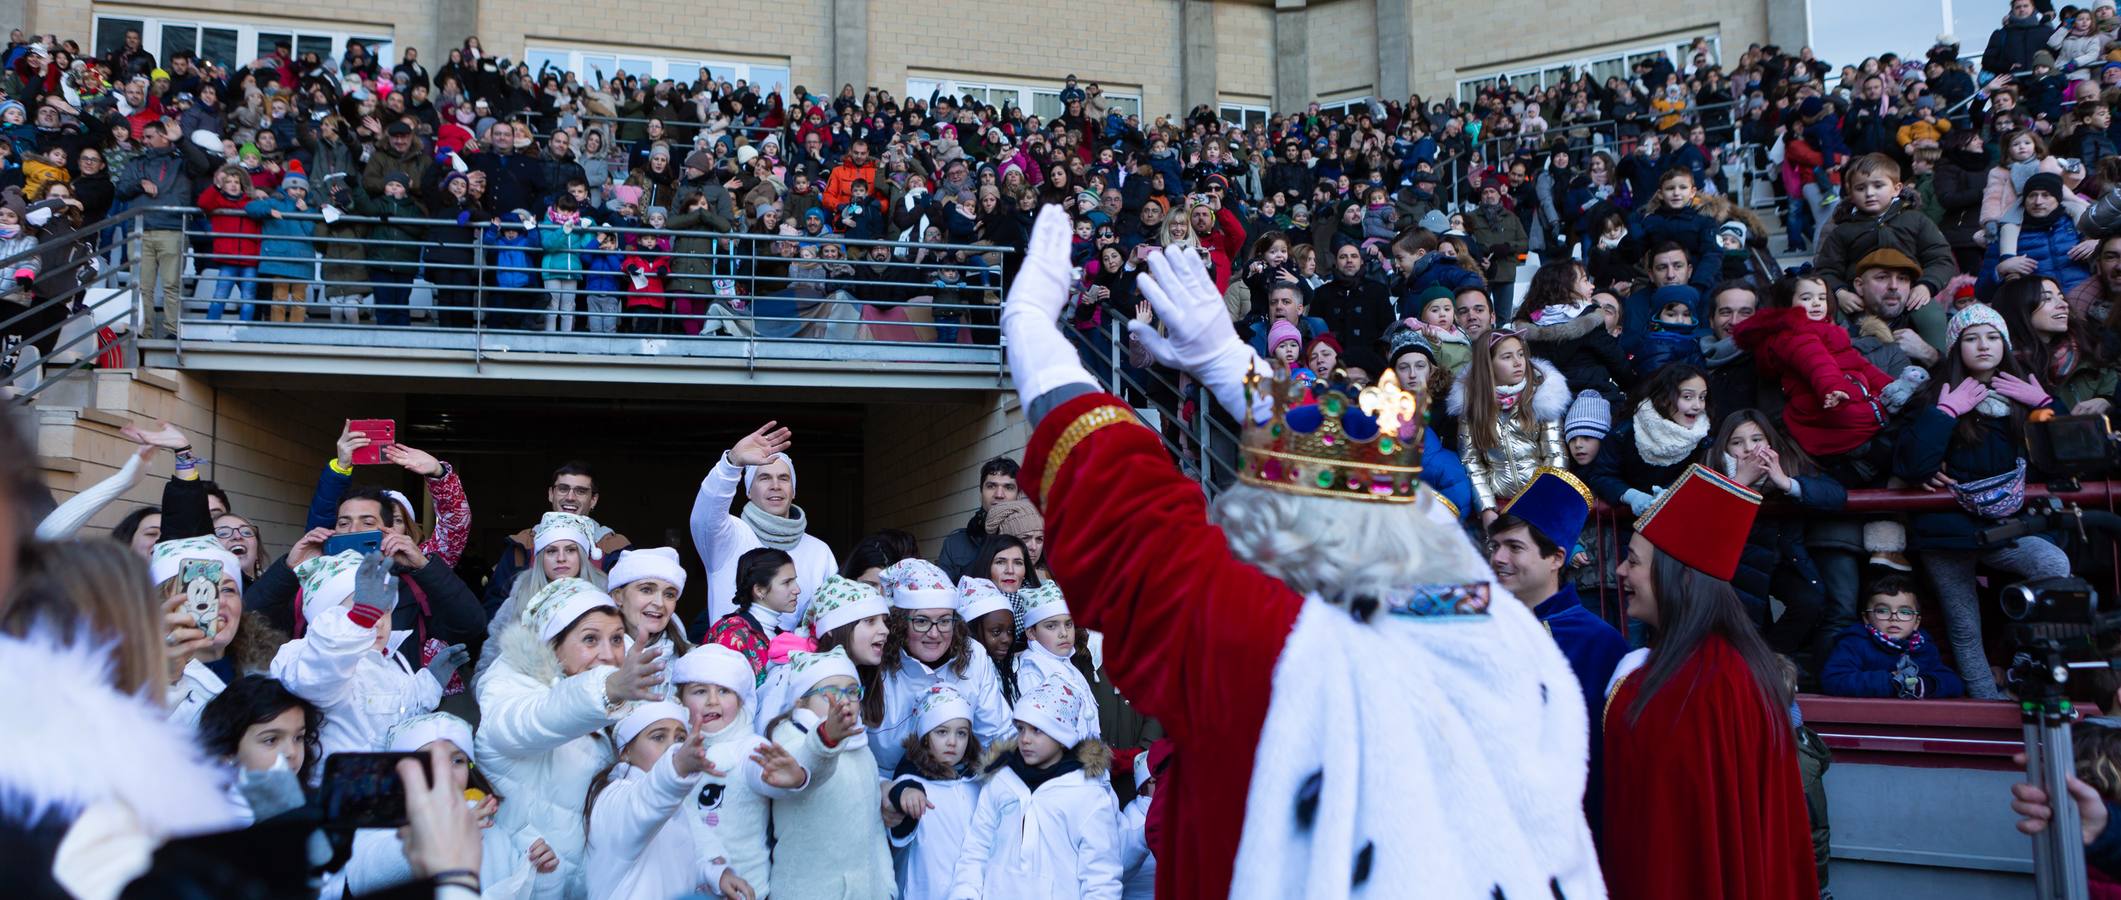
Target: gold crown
{"points": [[1334, 439]]}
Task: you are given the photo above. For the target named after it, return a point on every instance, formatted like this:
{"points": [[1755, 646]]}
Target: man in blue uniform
{"points": [[1529, 546]]}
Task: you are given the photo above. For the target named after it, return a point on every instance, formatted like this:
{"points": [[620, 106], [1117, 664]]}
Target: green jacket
{"points": [[408, 236]]}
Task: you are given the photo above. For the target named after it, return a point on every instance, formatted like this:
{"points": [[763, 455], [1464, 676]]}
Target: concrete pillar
{"points": [[1196, 62], [453, 20], [1395, 49], [1292, 54], [1789, 25], [17, 12], [850, 45]]}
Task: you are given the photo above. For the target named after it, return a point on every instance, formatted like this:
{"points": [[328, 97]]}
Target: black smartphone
{"points": [[363, 790], [365, 541]]}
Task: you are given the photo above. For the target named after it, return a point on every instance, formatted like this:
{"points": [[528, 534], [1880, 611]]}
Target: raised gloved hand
{"points": [[1201, 341], [1040, 357], [374, 585], [1904, 387], [2026, 391], [1637, 501], [1959, 399], [446, 663]]}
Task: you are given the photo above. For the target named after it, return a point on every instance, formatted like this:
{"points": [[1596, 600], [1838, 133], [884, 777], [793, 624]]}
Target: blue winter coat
{"points": [[603, 272], [511, 259], [1428, 273], [1445, 473], [283, 253], [1862, 666], [1928, 445], [2049, 247], [1660, 348]]}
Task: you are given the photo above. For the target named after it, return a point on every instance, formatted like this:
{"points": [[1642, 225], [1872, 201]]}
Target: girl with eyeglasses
{"points": [[1888, 654], [926, 646]]}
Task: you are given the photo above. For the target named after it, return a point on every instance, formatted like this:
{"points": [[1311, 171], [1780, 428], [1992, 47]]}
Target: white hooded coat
{"points": [[1059, 842], [361, 692], [981, 686], [541, 740], [639, 847]]}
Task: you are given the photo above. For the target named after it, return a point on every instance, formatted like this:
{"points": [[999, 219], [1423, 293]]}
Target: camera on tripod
{"points": [[2071, 447], [2065, 609]]}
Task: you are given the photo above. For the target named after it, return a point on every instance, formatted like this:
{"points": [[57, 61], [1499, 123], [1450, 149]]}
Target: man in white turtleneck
{"points": [[771, 519]]}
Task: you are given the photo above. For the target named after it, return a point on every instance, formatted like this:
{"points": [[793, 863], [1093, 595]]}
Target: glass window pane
{"points": [[313, 43], [110, 33], [219, 45], [384, 50], [593, 63], [269, 39], [1127, 106], [639, 65], [767, 79], [539, 59], [176, 38], [1046, 104]]}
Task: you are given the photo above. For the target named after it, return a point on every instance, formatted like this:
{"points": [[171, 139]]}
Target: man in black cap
{"points": [[1418, 197], [400, 152]]}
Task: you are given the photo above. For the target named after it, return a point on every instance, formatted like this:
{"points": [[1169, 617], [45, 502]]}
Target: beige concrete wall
{"points": [[1343, 47], [921, 473], [1244, 51], [1128, 45], [264, 447]]}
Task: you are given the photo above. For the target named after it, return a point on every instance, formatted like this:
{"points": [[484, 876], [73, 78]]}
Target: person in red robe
{"points": [[1353, 702], [1702, 797]]}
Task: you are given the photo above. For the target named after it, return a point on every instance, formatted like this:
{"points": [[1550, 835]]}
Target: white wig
{"points": [[1344, 550]]}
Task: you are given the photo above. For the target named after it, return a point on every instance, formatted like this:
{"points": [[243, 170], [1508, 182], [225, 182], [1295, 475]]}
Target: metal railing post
{"points": [[478, 300], [1113, 373]]}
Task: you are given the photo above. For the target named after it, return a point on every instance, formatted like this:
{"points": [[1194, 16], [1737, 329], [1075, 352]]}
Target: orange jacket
{"points": [[839, 187]]}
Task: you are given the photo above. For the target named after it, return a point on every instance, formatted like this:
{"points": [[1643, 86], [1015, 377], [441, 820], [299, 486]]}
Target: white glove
{"points": [[1040, 357], [1637, 501], [1202, 343], [1153, 342]]}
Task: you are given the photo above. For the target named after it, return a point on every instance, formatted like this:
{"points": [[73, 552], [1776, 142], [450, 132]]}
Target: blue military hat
{"points": [[1555, 504]]}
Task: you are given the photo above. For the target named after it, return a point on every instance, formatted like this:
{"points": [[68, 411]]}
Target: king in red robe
{"points": [[1409, 731]]}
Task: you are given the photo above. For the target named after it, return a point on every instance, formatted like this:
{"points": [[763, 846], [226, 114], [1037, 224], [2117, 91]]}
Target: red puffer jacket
{"points": [[235, 236], [1812, 360]]}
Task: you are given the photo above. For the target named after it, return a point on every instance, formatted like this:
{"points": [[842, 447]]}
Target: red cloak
{"points": [[1191, 633], [1702, 795]]}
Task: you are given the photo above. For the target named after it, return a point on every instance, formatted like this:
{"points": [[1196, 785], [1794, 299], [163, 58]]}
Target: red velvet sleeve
{"points": [[1191, 632]]}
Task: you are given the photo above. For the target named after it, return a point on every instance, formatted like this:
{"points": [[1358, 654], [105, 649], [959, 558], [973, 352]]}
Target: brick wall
{"points": [[1244, 51], [264, 447], [411, 22], [922, 464], [1343, 47], [1128, 45]]}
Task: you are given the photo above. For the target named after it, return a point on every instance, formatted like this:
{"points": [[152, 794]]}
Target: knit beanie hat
{"points": [[977, 597], [643, 715], [1404, 340], [840, 601], [557, 605], [701, 160], [167, 560], [805, 670], [327, 581], [660, 563], [745, 154], [554, 527], [2045, 181], [752, 472], [1015, 518], [1435, 222], [419, 731], [1052, 708], [938, 707], [1975, 314], [1589, 416], [719, 665], [1035, 605], [294, 179], [1281, 331], [917, 584]]}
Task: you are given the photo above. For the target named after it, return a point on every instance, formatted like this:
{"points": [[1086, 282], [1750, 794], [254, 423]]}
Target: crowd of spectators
{"points": [[1963, 233]]}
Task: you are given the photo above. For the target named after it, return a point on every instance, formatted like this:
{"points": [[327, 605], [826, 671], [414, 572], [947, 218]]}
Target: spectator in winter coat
{"points": [[856, 165], [1671, 216], [1353, 307], [1504, 235], [2048, 242], [400, 151], [2010, 48], [1669, 337], [1835, 397], [1775, 562], [1888, 654], [1875, 215], [1667, 431], [288, 261]]}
